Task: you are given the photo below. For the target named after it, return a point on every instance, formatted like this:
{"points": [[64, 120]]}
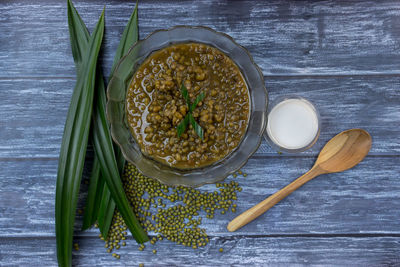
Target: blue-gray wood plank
{"points": [[344, 56]]}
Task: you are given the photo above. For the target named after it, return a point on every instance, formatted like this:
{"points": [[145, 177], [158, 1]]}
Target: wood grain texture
{"points": [[285, 38], [238, 251], [343, 203], [342, 55], [341, 153], [34, 111]]}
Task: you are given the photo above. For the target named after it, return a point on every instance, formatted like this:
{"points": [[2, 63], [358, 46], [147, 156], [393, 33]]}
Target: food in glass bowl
{"points": [[121, 131], [157, 109]]}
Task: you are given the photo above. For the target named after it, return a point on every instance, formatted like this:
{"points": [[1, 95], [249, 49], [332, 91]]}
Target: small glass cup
{"points": [[273, 140]]}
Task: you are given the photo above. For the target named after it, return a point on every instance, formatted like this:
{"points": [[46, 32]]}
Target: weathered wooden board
{"points": [[343, 203], [285, 38], [33, 111], [238, 251], [342, 55]]}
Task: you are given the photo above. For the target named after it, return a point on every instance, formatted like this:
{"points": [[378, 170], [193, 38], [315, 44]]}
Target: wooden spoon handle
{"points": [[269, 202]]}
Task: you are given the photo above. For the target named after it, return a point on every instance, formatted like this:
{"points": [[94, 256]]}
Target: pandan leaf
{"points": [[74, 141]]}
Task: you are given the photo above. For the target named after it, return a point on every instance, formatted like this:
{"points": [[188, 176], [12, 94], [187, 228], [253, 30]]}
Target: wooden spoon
{"points": [[341, 153]]}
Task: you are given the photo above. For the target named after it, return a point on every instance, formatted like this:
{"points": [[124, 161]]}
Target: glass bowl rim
{"points": [[175, 170]]}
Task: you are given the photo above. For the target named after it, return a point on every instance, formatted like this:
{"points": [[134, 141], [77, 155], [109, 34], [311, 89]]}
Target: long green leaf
{"points": [[111, 167], [74, 143], [94, 196], [106, 212], [129, 37], [79, 39], [79, 36]]}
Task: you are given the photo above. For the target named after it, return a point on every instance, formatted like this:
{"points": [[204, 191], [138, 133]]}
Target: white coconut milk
{"points": [[293, 124]]}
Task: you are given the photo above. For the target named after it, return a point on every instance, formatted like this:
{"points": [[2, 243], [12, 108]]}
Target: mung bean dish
{"points": [[156, 105]]}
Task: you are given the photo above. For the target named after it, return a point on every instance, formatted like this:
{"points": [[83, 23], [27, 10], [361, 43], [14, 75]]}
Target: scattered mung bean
{"points": [[180, 221]]}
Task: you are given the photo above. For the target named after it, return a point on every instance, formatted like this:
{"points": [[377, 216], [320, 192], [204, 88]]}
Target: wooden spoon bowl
{"points": [[342, 152]]}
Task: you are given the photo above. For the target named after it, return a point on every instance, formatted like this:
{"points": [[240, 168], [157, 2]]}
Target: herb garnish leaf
{"points": [[185, 94], [181, 128], [198, 99], [197, 128]]}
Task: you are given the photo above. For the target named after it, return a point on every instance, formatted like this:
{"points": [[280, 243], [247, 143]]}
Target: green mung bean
{"points": [[180, 221]]}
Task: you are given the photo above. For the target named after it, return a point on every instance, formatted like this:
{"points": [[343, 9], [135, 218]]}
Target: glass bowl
{"points": [[122, 76]]}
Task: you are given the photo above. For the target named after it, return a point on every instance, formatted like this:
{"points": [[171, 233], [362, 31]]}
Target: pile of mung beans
{"points": [[180, 221]]}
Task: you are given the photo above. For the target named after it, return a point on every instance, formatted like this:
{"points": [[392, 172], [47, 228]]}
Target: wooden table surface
{"points": [[342, 55]]}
